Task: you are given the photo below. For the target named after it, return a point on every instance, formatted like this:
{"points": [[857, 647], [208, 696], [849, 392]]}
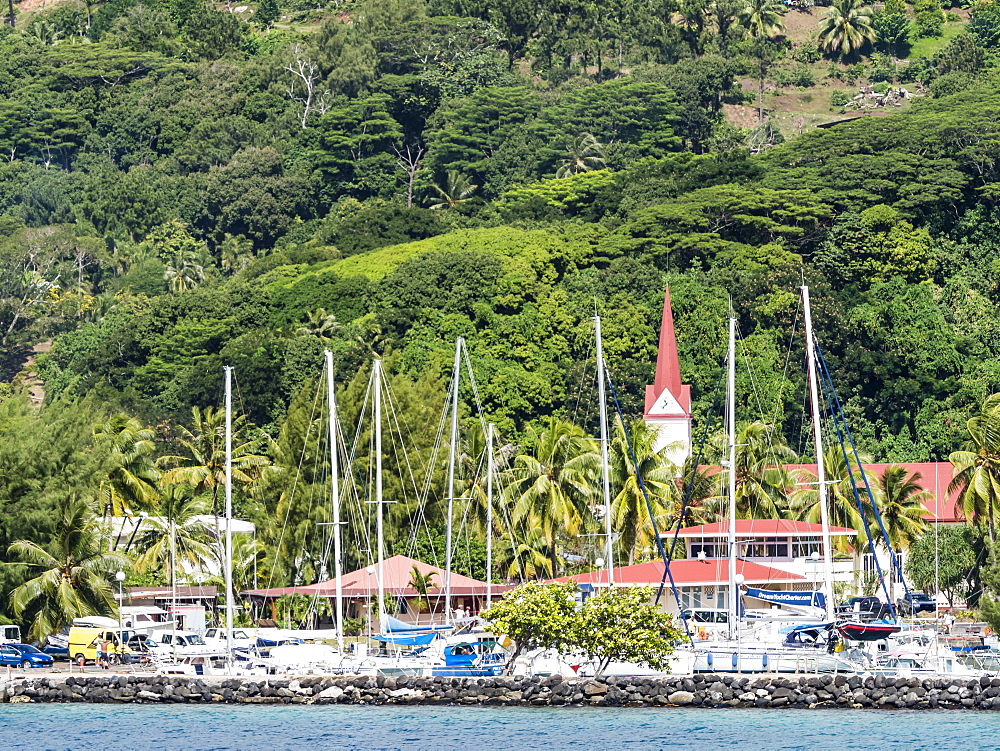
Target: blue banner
{"points": [[797, 599]]}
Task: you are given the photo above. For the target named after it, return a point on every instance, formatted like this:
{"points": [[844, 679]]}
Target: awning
{"points": [[406, 641]]}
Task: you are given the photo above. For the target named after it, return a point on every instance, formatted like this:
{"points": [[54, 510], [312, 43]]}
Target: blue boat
{"points": [[461, 660]]}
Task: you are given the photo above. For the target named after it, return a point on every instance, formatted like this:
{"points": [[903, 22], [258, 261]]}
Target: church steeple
{"points": [[668, 401]]}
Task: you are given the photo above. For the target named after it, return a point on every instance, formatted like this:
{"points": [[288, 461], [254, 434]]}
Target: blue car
{"points": [[25, 656]]}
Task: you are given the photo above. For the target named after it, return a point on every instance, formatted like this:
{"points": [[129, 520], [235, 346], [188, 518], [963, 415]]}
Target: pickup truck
{"points": [[922, 602], [864, 608]]}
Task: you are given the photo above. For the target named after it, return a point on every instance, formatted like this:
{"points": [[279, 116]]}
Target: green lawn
{"points": [[929, 45]]}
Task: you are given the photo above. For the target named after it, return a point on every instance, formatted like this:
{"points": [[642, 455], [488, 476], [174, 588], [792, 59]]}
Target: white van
{"points": [[181, 644], [10, 634]]}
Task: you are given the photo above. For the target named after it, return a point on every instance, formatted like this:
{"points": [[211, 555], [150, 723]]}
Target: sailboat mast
{"points": [[380, 532], [229, 514], [489, 514], [452, 446], [824, 512], [731, 437], [609, 561], [331, 401]]}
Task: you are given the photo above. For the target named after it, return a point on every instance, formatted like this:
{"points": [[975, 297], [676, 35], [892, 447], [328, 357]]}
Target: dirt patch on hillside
{"points": [[741, 115], [800, 25]]}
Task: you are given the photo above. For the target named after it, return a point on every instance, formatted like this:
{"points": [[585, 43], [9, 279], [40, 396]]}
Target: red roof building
{"points": [[934, 477], [361, 586], [688, 572], [759, 528]]}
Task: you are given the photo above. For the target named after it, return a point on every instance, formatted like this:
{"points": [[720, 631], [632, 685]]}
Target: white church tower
{"points": [[668, 401]]}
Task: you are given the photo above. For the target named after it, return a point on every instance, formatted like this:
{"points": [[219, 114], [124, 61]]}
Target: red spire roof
{"points": [[667, 380]]}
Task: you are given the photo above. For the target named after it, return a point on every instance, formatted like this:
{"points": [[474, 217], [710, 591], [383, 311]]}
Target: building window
{"points": [[711, 548], [690, 597], [805, 548], [768, 547]]}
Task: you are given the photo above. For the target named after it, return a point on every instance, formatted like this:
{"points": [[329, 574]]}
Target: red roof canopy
{"points": [[934, 476], [395, 574], [687, 572], [760, 528]]}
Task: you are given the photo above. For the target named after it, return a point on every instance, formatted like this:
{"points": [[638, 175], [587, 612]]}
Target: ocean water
{"points": [[135, 727]]}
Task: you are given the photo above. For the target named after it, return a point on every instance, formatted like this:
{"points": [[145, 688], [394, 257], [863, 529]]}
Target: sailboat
{"points": [[791, 640]]}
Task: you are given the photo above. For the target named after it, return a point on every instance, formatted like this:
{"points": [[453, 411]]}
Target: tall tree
{"points": [[846, 28], [71, 579], [901, 501], [553, 484], [762, 19], [204, 465], [175, 539], [761, 481], [842, 504], [131, 481], [976, 467], [629, 516]]}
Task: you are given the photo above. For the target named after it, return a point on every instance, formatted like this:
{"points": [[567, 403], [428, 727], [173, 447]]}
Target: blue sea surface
{"points": [[138, 727]]}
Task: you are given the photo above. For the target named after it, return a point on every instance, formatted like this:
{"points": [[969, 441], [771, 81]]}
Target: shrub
{"points": [[881, 87], [839, 98]]}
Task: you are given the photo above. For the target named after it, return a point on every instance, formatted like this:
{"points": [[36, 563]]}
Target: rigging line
{"points": [[583, 379], [649, 507], [295, 484], [769, 452], [878, 514], [422, 524], [826, 380], [394, 419], [357, 518], [788, 358], [420, 495]]}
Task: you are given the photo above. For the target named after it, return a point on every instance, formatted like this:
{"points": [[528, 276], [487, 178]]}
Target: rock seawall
{"points": [[707, 690]]}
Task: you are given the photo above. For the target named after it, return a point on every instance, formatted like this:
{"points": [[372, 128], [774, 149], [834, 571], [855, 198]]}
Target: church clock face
{"points": [[666, 404]]}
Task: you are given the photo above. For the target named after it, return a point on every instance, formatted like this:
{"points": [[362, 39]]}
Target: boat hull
{"points": [[856, 631]]}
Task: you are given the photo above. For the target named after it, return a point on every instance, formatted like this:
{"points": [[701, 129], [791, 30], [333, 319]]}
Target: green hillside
{"points": [[185, 188]]}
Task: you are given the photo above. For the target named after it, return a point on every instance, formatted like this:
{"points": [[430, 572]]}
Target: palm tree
{"points": [[204, 468], [553, 484], [524, 554], [175, 538], [131, 482], [843, 506], [761, 480], [458, 189], [629, 515], [976, 467], [185, 271], [318, 323], [901, 504], [585, 154], [235, 253], [762, 19], [72, 580], [422, 584], [901, 501], [846, 28]]}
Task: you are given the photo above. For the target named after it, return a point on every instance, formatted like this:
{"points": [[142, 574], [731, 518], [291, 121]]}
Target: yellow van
{"points": [[83, 642]]}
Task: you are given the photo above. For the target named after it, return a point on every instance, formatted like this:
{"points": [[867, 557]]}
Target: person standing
{"points": [[102, 652]]}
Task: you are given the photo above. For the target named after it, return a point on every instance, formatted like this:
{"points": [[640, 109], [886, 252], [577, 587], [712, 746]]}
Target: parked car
{"points": [[241, 639], [922, 602], [864, 608], [25, 656]]}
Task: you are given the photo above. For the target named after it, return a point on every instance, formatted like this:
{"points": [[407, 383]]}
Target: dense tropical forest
{"points": [[186, 186]]}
